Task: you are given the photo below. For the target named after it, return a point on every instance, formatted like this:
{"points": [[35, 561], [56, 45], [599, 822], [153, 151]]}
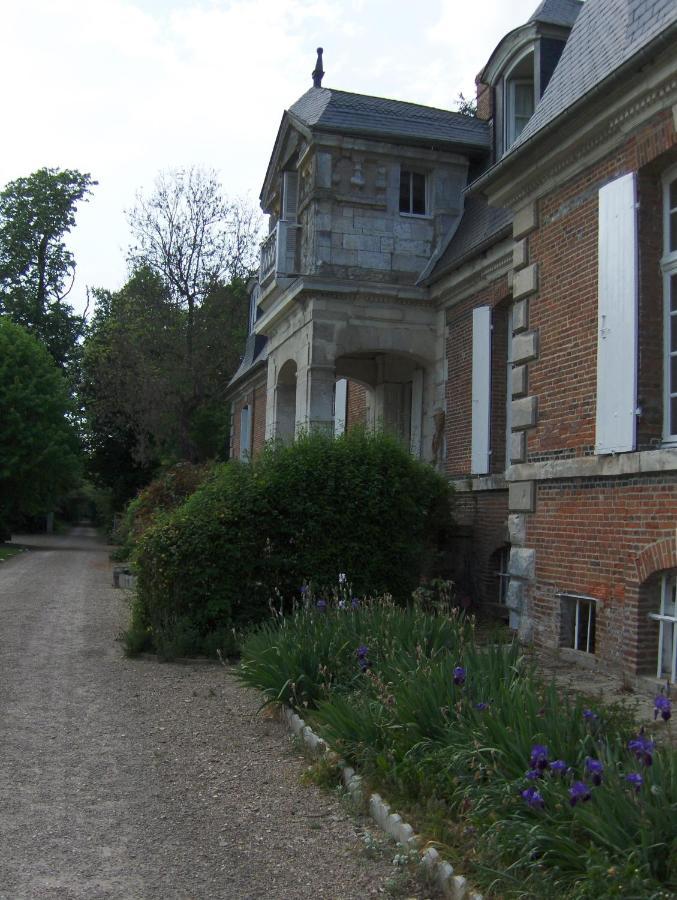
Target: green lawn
{"points": [[7, 551]]}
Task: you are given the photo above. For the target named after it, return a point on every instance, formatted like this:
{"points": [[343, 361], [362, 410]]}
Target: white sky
{"points": [[124, 88]]}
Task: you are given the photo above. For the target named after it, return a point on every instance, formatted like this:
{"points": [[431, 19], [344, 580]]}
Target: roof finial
{"points": [[318, 72]]}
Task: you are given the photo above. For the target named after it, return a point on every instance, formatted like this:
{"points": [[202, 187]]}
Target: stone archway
{"points": [[285, 402]]}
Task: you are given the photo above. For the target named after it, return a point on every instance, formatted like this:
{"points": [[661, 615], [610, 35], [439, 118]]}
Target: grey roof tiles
{"points": [[557, 12], [480, 225], [606, 34], [326, 109]]}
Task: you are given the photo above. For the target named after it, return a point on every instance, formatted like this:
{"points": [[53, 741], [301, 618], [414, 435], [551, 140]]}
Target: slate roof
{"points": [[557, 12], [606, 34], [253, 355], [326, 109], [480, 226]]}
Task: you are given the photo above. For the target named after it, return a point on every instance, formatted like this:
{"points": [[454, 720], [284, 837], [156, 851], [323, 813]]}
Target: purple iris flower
{"points": [[558, 766], [355, 603], [635, 779], [362, 651], [590, 716], [481, 706], [643, 748], [459, 675], [662, 707], [321, 605], [532, 774], [533, 797], [539, 757], [579, 792], [595, 768]]}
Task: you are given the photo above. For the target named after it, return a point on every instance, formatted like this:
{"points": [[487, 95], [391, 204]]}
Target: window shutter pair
{"points": [[617, 317]]}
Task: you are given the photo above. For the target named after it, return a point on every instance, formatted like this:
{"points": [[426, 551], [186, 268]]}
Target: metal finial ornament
{"points": [[318, 72]]}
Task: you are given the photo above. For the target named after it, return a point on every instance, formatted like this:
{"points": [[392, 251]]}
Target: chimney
{"points": [[318, 72]]}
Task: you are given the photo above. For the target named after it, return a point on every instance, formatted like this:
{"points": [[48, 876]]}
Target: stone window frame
{"points": [[405, 169], [584, 614], [669, 271], [667, 619]]}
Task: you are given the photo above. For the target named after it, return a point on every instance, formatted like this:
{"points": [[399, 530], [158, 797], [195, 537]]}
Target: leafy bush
{"points": [[163, 494], [528, 784], [252, 534]]}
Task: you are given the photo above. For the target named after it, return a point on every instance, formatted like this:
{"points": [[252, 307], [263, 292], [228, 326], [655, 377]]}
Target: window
{"points": [[669, 266], [245, 433], [518, 97], [578, 621], [254, 298], [502, 556], [412, 193], [667, 627]]}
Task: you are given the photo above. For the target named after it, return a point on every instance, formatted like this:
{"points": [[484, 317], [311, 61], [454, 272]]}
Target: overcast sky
{"points": [[125, 88]]}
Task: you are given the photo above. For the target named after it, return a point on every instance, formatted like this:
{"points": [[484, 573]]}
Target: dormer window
{"points": [[519, 97], [412, 193]]}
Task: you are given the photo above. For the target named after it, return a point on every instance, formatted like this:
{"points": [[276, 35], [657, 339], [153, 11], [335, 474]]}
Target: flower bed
{"points": [[534, 793]]}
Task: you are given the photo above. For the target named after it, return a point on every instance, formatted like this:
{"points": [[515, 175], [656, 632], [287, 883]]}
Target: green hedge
{"points": [[254, 534]]}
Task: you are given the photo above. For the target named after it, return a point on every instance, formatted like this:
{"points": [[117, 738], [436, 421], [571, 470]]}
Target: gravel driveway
{"points": [[132, 779]]}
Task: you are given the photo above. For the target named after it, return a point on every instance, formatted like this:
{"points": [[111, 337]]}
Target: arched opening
{"points": [[285, 402], [392, 391]]}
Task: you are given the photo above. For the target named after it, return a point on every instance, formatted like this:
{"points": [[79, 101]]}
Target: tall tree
{"points": [[39, 452], [145, 402], [36, 268]]}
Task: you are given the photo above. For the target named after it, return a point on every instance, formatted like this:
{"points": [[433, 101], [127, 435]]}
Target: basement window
{"points": [[412, 193], [578, 615], [502, 559]]}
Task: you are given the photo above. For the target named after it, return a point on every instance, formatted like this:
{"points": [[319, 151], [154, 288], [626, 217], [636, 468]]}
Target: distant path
{"points": [[130, 779]]}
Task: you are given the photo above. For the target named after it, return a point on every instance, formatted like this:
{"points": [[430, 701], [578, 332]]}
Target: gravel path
{"points": [[132, 779]]}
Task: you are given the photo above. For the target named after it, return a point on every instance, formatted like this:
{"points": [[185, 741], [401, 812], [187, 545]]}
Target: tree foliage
{"points": [[36, 269], [39, 453], [146, 400]]}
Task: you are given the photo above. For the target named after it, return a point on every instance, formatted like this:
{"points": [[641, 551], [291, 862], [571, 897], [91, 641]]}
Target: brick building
{"points": [[501, 292]]}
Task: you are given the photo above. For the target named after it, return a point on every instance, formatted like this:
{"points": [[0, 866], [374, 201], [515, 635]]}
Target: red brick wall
{"points": [[565, 309], [588, 533], [259, 419], [255, 397], [356, 405], [458, 423]]}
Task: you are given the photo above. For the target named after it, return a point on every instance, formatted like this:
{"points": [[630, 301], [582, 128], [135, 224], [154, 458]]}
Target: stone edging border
{"points": [[441, 873]]}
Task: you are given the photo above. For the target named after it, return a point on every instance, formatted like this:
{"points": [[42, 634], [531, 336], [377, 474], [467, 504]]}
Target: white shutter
{"points": [[287, 239], [617, 317], [290, 196], [245, 433], [481, 389], [340, 406]]}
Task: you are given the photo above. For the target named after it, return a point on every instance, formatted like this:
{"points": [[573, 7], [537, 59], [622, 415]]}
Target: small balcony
{"points": [[278, 252]]}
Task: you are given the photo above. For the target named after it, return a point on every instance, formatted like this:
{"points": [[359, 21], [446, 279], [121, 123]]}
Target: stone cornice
{"points": [[475, 276]]}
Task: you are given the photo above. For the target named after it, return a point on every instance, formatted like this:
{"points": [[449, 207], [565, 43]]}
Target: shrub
{"points": [[253, 534], [163, 494]]}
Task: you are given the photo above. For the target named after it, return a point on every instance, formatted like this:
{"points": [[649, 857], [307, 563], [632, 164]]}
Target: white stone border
{"points": [[439, 872]]}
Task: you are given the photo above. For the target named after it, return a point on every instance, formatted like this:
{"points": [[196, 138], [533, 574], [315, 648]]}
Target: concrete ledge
{"points": [[644, 462]]}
